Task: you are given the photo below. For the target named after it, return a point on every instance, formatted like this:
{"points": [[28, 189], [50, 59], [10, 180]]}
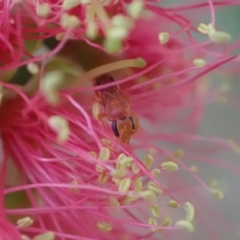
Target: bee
{"points": [[117, 110]]}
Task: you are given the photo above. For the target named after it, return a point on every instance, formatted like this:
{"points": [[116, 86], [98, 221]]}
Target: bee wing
{"points": [[108, 96]]}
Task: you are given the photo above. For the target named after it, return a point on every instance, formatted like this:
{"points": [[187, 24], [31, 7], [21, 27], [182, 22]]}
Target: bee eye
{"points": [[114, 128]]}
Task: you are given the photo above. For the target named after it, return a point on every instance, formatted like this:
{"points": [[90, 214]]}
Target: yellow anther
{"points": [[93, 154], [203, 28], [106, 142], [121, 172], [99, 168], [163, 37], [116, 181], [24, 237], [73, 188], [213, 183], [155, 188], [104, 154], [218, 36], [33, 68], [234, 146], [155, 210], [148, 161], [43, 10], [166, 222], [124, 160], [173, 204], [148, 195], [51, 82], [169, 165], [105, 227], [138, 184], [152, 151], [122, 21], [103, 178], [135, 168], [128, 200], [60, 126], [24, 222], [185, 224], [199, 62], [153, 222], [117, 32], [69, 4], [217, 193], [156, 172], [69, 21], [135, 8], [45, 236], [113, 202], [190, 212], [124, 185], [96, 109], [193, 169]]}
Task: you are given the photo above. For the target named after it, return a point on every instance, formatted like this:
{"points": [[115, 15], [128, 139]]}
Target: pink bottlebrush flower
{"points": [[62, 176]]}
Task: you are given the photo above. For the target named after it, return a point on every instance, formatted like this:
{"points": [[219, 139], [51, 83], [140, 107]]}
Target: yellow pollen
{"points": [[218, 36], [74, 183], [234, 146], [69, 4], [120, 172], [118, 33], [45, 236], [155, 210], [100, 12], [166, 222], [33, 68], [24, 237], [135, 8], [156, 172], [43, 10], [190, 212], [106, 142], [122, 21], [153, 186], [173, 204], [96, 109], [169, 165], [185, 224], [124, 160], [138, 187], [148, 161], [60, 126], [153, 222], [194, 169], [135, 168], [199, 62], [51, 82], [128, 200], [163, 37], [24, 222], [103, 178], [148, 195], [69, 21], [104, 227], [93, 154], [104, 154], [99, 168], [124, 185], [113, 202], [116, 181], [217, 193], [203, 28]]}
